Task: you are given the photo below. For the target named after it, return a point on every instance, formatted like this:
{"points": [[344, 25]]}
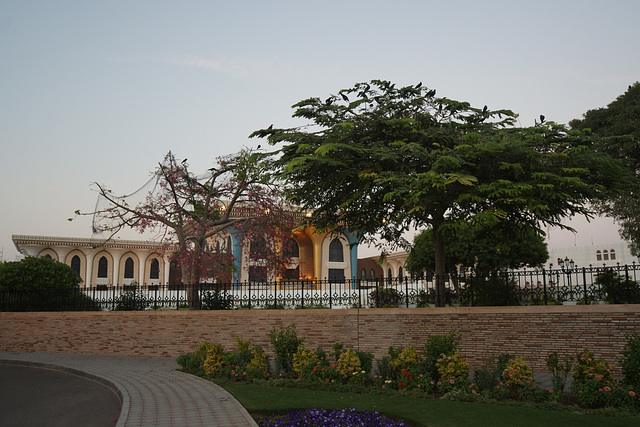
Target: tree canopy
{"points": [[381, 159], [485, 249], [620, 117], [186, 210]]}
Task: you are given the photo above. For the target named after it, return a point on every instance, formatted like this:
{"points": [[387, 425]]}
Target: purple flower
{"points": [[331, 418]]}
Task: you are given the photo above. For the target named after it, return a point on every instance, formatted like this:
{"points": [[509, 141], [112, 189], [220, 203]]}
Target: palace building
{"points": [[107, 262]]}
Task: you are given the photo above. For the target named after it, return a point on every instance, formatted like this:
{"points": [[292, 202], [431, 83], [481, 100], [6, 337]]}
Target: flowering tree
{"points": [[234, 196]]}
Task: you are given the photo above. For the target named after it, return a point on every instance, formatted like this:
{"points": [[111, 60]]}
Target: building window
{"points": [[228, 245], [598, 255], [336, 275], [336, 253], [612, 254], [128, 268], [257, 273], [363, 274], [292, 250], [75, 264], [155, 269], [258, 248], [103, 267], [47, 256], [605, 255], [372, 274], [291, 274], [400, 273]]}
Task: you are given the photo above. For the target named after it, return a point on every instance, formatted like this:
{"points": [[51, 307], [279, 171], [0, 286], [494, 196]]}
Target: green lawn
{"points": [[265, 400]]}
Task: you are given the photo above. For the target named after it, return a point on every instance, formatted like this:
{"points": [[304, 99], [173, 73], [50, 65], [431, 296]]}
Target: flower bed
{"points": [[437, 370]]}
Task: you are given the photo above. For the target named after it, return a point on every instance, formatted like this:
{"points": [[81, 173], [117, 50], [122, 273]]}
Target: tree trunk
{"points": [[440, 268]]}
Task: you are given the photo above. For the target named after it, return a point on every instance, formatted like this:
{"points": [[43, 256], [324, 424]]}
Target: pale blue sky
{"points": [[101, 90]]}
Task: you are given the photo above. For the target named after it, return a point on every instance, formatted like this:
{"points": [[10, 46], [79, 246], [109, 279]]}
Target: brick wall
{"points": [[531, 332]]}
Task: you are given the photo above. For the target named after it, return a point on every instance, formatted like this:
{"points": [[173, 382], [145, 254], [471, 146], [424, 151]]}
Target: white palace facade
{"points": [[107, 262]]}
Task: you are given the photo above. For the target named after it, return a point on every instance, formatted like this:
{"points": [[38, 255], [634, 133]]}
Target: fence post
{"points": [[584, 284], [330, 302], [544, 285]]}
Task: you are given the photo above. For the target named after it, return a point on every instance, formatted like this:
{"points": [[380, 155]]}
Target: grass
{"points": [[262, 400]]}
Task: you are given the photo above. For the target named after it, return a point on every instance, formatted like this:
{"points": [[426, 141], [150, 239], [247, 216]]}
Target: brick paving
{"points": [[153, 392]]}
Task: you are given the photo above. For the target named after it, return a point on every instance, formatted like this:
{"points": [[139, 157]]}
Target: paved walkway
{"points": [[153, 392]]}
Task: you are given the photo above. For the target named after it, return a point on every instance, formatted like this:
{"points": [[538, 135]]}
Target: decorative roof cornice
{"points": [[23, 240]]}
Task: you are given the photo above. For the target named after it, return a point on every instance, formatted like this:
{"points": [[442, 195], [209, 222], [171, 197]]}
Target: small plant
{"points": [[405, 359], [349, 363], [385, 298], [215, 359], [452, 367], [216, 300], [518, 376], [588, 367], [132, 301], [560, 370], [259, 362], [285, 343], [303, 357], [435, 347]]}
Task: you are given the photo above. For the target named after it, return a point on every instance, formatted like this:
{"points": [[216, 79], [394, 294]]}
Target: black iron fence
{"points": [[588, 285]]}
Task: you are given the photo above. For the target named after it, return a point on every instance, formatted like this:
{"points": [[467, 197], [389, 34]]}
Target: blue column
{"points": [[236, 250], [353, 252]]}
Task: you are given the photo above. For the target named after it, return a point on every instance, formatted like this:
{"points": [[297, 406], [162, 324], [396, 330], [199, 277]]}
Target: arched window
{"points": [[47, 256], [363, 274], [605, 255], [598, 255], [155, 269], [128, 268], [400, 272], [103, 267], [372, 274], [229, 244], [75, 264], [258, 248], [612, 254], [336, 253]]}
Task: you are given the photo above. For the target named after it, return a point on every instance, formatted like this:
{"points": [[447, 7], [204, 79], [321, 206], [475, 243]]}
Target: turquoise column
{"points": [[236, 250], [353, 253]]}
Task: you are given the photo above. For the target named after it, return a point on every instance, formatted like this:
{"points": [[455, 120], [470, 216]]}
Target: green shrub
{"points": [[131, 301], [303, 357], [489, 376], [216, 300], [366, 361], [349, 363], [630, 361], [618, 289], [404, 360], [588, 367], [452, 366], [560, 370], [41, 284], [385, 297], [285, 343], [491, 291], [435, 347], [214, 361]]}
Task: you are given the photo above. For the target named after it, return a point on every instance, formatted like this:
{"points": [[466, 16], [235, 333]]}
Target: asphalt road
{"points": [[35, 396]]}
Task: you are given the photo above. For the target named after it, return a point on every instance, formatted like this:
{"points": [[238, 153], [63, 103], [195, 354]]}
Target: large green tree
{"points": [[485, 249], [381, 159], [620, 117]]}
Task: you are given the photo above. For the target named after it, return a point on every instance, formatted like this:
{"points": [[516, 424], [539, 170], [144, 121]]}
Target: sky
{"points": [[100, 91]]}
